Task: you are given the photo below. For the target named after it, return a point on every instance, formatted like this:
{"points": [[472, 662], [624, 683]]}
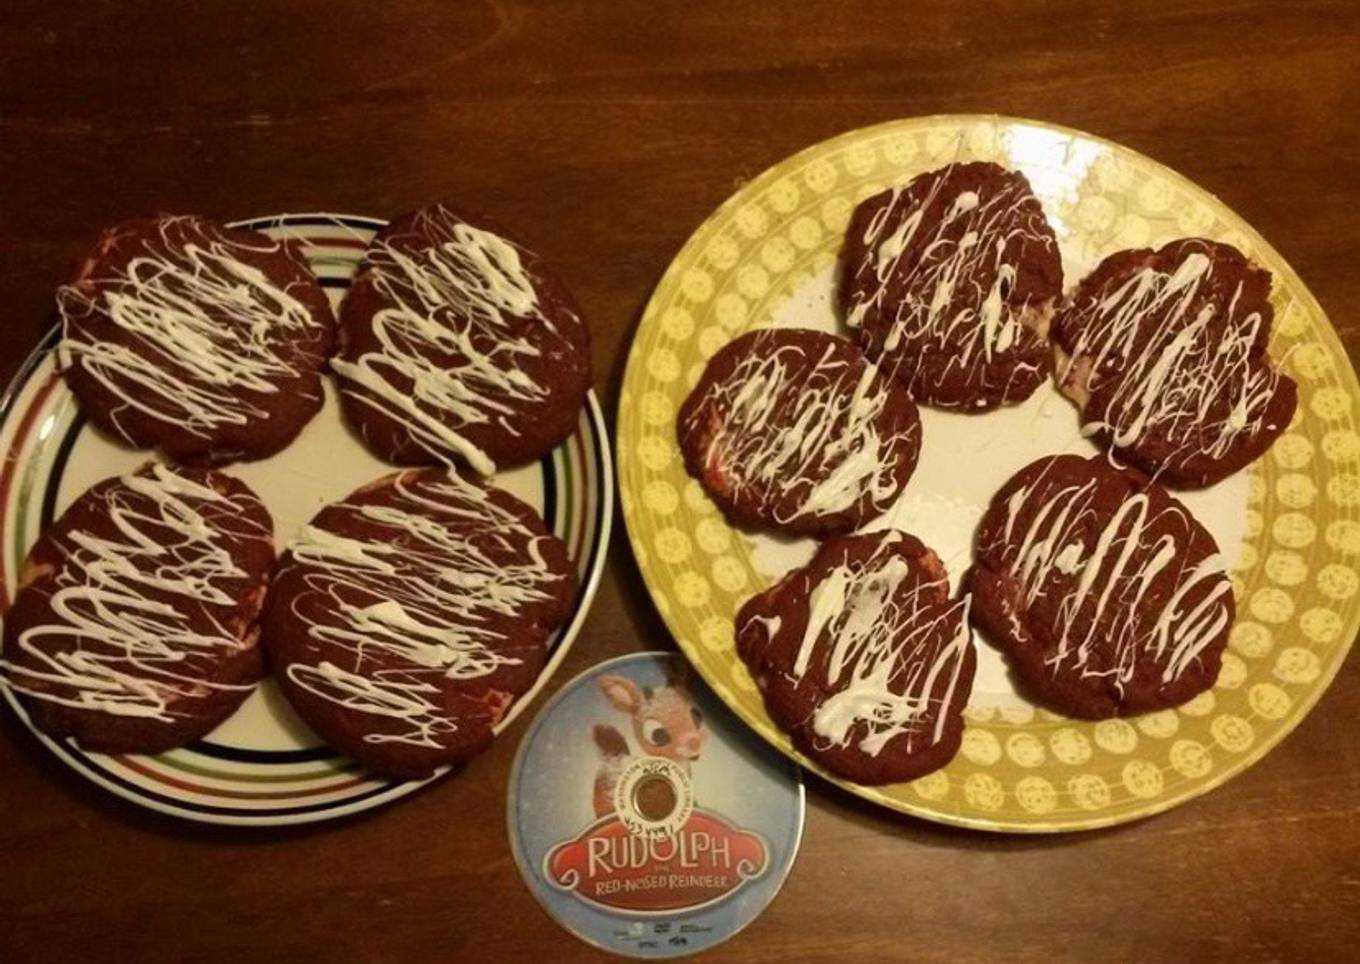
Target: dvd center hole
{"points": [[654, 797]]}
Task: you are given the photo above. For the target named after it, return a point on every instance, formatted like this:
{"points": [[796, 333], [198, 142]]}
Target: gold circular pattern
{"points": [[1311, 361], [660, 496], [1190, 759], [730, 310], [752, 281], [1036, 795], [715, 633], [1295, 572], [1338, 582], [696, 499], [723, 252], [1089, 791], [1269, 701], [1286, 568], [1252, 640], [1025, 749], [1297, 665], [1116, 736], [1272, 605], [710, 340], [677, 322], [932, 786], [713, 535], [697, 285], [1232, 732], [654, 452], [1070, 746], [1292, 451], [1331, 404], [1340, 445], [1320, 625], [1142, 779], [663, 365], [1233, 672], [980, 746], [691, 589], [656, 409], [1017, 714], [729, 574], [1200, 705], [1294, 530], [783, 195], [984, 791], [1161, 725], [1344, 490], [1343, 535], [672, 545], [979, 714], [1296, 490]]}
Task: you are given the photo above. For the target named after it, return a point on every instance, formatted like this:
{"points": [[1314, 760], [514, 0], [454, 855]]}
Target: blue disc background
{"points": [[737, 777]]}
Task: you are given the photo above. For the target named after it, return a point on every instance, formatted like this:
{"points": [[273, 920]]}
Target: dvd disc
{"points": [[644, 817]]}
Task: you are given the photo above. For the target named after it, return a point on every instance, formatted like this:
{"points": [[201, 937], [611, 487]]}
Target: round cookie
{"points": [[457, 343], [796, 430], [1165, 353], [863, 657], [204, 341], [1106, 594], [404, 620], [951, 281], [134, 628]]}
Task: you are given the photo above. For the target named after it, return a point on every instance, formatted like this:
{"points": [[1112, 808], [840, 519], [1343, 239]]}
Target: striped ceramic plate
{"points": [[263, 765]]}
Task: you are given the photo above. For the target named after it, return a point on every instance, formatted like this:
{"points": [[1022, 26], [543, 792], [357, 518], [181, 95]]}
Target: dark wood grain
{"points": [[605, 133]]}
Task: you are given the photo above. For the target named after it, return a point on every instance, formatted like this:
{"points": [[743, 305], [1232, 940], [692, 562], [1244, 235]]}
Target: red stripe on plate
{"points": [[178, 784], [7, 472]]}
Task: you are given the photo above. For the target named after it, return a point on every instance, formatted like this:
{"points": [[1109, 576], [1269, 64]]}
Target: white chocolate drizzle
{"points": [[123, 648], [1194, 380], [947, 310], [202, 327], [1132, 553], [812, 430], [417, 607], [449, 355], [894, 656]]}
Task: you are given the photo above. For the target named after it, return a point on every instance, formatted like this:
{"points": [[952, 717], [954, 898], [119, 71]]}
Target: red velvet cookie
{"points": [[794, 429], [204, 341], [951, 281], [403, 620], [458, 344], [134, 628], [1108, 597], [863, 657], [1165, 354]]}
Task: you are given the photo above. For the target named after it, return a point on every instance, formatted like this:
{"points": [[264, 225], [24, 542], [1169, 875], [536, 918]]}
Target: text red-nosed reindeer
{"points": [[666, 723]]}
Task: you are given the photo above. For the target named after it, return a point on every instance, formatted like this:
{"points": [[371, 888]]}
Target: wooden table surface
{"points": [[604, 134]]}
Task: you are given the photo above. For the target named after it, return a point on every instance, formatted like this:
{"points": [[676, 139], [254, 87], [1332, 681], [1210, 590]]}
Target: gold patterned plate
{"points": [[1289, 525]]}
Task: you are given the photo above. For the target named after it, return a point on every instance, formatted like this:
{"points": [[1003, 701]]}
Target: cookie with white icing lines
{"points": [[863, 657], [404, 620], [457, 344], [1105, 593], [204, 341], [134, 629], [796, 430], [1165, 353], [951, 281]]}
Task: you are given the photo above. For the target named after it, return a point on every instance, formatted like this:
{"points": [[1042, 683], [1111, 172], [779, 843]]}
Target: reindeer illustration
{"points": [[666, 723]]}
